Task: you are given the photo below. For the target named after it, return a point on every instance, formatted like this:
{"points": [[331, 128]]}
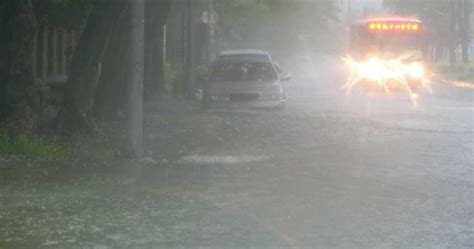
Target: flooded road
{"points": [[332, 171]]}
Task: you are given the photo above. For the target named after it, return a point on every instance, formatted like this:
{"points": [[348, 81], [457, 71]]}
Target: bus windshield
{"points": [[393, 42]]}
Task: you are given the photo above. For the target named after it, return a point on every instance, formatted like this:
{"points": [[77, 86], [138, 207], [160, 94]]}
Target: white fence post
{"points": [[45, 54], [63, 51], [55, 52]]}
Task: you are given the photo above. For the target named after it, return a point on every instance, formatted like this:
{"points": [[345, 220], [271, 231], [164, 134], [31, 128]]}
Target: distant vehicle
{"points": [[252, 82], [375, 44]]}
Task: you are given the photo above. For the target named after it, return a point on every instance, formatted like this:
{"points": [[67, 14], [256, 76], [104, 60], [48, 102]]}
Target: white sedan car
{"points": [[252, 82]]}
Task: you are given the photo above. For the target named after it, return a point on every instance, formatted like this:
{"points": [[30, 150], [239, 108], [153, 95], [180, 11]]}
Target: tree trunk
{"points": [[76, 112], [465, 29], [111, 96], [453, 38], [17, 25], [136, 67], [156, 15], [190, 53]]}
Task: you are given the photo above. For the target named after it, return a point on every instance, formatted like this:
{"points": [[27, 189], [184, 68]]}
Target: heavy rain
{"points": [[236, 124]]}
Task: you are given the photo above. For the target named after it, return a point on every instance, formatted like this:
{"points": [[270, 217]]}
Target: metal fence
{"points": [[52, 52]]}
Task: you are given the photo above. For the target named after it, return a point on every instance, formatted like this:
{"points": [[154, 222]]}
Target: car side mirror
{"points": [[277, 67]]}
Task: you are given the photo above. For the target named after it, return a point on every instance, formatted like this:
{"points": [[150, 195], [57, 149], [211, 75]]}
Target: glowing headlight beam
{"points": [[417, 71], [386, 74], [458, 84]]}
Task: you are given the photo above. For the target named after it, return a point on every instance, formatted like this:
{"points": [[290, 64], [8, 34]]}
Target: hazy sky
{"points": [[360, 4], [358, 7]]}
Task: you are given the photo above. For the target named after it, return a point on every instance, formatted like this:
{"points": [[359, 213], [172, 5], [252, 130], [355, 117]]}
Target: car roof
{"points": [[242, 52], [241, 60]]}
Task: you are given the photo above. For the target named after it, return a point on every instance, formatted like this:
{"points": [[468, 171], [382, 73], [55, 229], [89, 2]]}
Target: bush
{"points": [[170, 77], [174, 77], [201, 72], [27, 146], [460, 72]]}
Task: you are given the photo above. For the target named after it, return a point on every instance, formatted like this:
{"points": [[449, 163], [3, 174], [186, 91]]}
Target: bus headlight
{"points": [[376, 69], [373, 69], [417, 71]]}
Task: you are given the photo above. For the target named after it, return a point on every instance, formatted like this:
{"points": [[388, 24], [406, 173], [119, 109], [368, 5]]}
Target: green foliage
{"points": [[465, 73], [25, 145], [63, 13], [460, 73], [178, 81], [93, 148], [170, 77], [201, 72]]}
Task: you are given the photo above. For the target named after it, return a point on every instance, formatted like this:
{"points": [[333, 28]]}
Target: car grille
{"points": [[244, 97]]}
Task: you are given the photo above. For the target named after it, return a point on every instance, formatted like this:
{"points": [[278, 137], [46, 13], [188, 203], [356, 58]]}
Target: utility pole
{"points": [[349, 10], [211, 29], [181, 45], [136, 67], [465, 17], [189, 48]]}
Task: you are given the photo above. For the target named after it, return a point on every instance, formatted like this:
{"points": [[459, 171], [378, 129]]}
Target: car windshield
{"points": [[243, 71], [237, 56]]}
